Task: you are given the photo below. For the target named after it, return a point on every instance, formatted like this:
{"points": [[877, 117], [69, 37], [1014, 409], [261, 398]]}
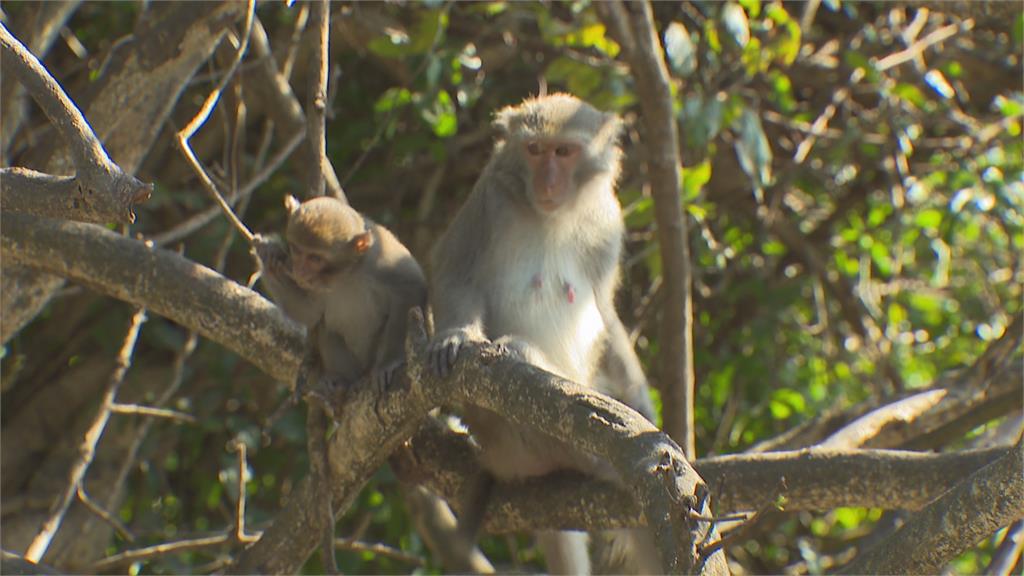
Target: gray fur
{"points": [[363, 307], [543, 283]]}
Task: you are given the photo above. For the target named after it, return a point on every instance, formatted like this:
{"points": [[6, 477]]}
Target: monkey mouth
{"points": [[548, 205]]}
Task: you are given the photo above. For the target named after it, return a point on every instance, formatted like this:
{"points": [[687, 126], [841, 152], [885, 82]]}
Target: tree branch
{"points": [[815, 479], [102, 192], [372, 424], [987, 500], [149, 69], [165, 282]]}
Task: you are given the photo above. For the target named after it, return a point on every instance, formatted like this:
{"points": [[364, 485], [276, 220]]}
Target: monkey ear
{"points": [[362, 242], [502, 123], [291, 203]]}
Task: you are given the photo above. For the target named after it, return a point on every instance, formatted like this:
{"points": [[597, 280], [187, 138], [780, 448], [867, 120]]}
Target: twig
{"points": [[107, 517], [158, 550], [380, 549], [238, 446], [200, 118], [317, 108], [917, 48], [203, 218], [293, 45], [88, 447], [119, 408], [1008, 554], [821, 122], [743, 530]]}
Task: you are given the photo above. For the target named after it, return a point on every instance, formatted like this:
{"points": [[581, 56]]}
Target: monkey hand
{"points": [[444, 349], [384, 377], [521, 350], [272, 254]]}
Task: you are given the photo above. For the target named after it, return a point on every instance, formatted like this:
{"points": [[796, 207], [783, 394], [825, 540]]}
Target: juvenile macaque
{"points": [[531, 261], [349, 281]]}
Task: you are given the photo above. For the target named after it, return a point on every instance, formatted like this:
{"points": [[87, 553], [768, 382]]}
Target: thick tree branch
{"points": [[164, 282], [102, 191], [147, 71], [632, 26], [985, 501], [37, 28], [814, 479], [372, 425]]}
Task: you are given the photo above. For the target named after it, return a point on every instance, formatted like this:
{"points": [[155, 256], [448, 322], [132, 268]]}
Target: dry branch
{"points": [[165, 282], [148, 70], [987, 500], [372, 424], [37, 28], [815, 480], [100, 191]]}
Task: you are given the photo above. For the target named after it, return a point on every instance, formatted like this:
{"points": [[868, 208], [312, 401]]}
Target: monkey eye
{"points": [[533, 148], [565, 150]]}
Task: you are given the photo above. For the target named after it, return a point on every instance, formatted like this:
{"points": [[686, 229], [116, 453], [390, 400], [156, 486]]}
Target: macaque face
{"points": [[310, 268], [552, 166]]}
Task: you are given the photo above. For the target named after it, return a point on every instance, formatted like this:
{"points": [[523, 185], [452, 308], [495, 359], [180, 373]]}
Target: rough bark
{"points": [[985, 501], [815, 479], [138, 86]]}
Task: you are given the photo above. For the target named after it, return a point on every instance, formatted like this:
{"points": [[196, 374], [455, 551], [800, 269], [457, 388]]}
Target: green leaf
{"points": [[909, 93], [882, 259], [773, 248], [392, 98], [702, 119], [694, 179], [1008, 107], [682, 55], [928, 219], [787, 43]]}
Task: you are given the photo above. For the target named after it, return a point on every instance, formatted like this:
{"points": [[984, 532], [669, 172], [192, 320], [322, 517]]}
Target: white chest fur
{"points": [[539, 292]]}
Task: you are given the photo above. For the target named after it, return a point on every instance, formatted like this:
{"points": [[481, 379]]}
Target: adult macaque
{"points": [[350, 282], [531, 261]]}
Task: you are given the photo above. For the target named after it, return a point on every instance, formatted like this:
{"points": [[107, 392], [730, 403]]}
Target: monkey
{"points": [[531, 262], [350, 282]]}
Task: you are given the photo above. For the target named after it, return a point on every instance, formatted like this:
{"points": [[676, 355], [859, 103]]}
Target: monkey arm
{"points": [[297, 303], [619, 373], [407, 289], [458, 301], [341, 366]]}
